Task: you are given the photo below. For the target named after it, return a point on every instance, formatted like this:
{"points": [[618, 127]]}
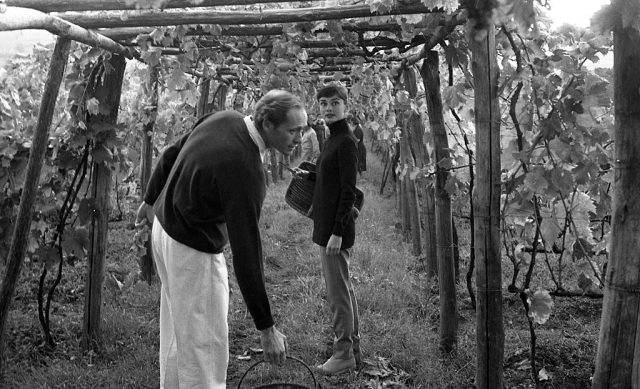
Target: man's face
{"points": [[332, 108], [287, 135]]}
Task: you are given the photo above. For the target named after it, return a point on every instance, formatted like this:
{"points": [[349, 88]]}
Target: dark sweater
{"points": [[212, 177], [335, 189]]}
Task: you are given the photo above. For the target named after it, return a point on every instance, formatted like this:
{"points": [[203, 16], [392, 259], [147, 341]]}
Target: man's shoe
{"points": [[336, 366]]}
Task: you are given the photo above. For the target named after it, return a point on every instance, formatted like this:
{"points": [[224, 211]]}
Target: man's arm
{"points": [[241, 198], [242, 204]]}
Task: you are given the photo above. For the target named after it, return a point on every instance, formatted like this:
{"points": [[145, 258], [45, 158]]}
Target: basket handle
{"points": [[315, 382]]}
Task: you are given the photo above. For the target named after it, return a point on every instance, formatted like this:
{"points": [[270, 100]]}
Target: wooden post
{"points": [[108, 90], [618, 358], [446, 273], [427, 207], [147, 266], [222, 97], [205, 86], [22, 225], [489, 327], [411, 193]]}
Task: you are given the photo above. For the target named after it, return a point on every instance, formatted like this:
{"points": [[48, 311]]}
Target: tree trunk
{"points": [[147, 266], [446, 273], [109, 91], [22, 225], [618, 358], [489, 327]]}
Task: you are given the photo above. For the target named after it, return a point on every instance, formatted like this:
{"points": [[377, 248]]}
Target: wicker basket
{"points": [[299, 194]]}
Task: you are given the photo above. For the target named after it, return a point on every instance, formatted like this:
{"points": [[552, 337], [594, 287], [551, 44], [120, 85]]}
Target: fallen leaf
{"points": [[544, 375]]}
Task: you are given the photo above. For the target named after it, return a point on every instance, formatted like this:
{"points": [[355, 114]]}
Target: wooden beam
{"points": [[110, 19], [331, 69], [109, 5], [123, 33], [15, 18]]}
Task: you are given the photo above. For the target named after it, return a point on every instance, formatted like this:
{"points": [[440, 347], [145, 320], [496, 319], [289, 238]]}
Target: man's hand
{"points": [[144, 215], [334, 244], [274, 345]]}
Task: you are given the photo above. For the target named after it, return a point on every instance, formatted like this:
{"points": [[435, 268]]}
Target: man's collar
{"points": [[257, 138]]}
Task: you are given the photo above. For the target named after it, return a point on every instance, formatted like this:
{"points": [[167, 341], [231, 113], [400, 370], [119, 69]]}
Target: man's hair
{"points": [[333, 89], [274, 107]]}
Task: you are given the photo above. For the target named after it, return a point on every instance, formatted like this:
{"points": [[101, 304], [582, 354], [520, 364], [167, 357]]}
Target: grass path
{"points": [[398, 311]]}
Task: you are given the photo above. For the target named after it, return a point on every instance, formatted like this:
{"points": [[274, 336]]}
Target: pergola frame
{"points": [[112, 24], [75, 19]]}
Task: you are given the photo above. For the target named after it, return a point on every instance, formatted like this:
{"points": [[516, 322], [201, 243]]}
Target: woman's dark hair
{"points": [[333, 89], [274, 107]]}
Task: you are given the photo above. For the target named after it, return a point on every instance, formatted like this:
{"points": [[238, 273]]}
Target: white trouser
{"points": [[194, 302]]}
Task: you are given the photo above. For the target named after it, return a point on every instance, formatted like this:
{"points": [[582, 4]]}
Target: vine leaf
{"points": [[93, 106], [85, 210], [101, 154], [540, 306], [550, 230], [448, 5], [535, 181], [75, 241], [581, 209], [544, 375], [453, 96], [584, 282], [47, 255]]}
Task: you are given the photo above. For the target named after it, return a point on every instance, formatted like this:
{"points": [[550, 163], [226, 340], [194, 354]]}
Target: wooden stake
{"points": [[446, 272], [22, 226], [109, 89], [618, 358], [489, 327], [147, 266]]}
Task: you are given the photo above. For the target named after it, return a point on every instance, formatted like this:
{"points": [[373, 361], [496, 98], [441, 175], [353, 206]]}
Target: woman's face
{"points": [[332, 109]]}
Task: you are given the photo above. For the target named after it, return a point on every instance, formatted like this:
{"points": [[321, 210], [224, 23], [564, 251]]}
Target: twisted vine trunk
{"points": [[34, 167], [489, 326], [444, 235], [618, 359]]}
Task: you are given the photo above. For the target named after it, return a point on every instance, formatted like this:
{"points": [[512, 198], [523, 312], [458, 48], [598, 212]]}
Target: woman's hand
{"points": [[334, 245]]}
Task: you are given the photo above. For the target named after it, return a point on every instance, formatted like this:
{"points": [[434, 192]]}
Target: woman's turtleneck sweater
{"points": [[335, 189]]}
